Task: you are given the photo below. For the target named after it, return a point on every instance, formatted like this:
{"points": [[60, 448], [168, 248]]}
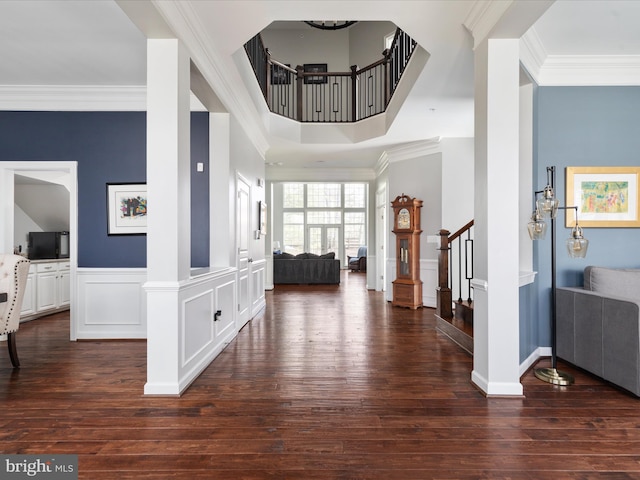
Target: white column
{"points": [[496, 304], [168, 232]]}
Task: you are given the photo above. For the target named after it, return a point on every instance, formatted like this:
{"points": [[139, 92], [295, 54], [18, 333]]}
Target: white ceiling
{"points": [[48, 46]]}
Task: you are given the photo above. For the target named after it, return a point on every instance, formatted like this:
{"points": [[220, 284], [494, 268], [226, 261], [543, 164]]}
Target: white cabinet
{"points": [[64, 284], [29, 299], [48, 289], [46, 286]]}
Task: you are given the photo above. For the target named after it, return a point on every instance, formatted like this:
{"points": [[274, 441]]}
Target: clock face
{"points": [[404, 219]]}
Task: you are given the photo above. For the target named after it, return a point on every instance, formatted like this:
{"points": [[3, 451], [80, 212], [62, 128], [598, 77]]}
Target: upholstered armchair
{"points": [[13, 281], [359, 262]]}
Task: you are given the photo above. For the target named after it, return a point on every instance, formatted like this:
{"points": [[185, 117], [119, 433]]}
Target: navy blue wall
{"points": [[110, 147], [583, 126]]}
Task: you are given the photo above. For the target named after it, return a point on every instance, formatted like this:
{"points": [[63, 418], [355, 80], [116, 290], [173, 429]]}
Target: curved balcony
{"points": [[311, 94]]}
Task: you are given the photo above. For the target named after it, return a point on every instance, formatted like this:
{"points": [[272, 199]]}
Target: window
{"points": [[323, 217], [293, 232], [323, 195], [293, 195], [354, 196]]}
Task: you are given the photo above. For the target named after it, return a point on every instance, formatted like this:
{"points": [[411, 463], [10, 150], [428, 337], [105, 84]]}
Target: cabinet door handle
{"points": [[216, 315]]}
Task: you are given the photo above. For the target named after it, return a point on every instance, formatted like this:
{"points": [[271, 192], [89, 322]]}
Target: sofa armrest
{"points": [[600, 333]]}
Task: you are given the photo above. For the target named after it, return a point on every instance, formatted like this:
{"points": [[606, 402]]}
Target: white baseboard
{"points": [[536, 355]]}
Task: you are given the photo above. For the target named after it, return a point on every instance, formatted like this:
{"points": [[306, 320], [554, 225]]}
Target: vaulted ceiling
{"points": [[68, 54]]}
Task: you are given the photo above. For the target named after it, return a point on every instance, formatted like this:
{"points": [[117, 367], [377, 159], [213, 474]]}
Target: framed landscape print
{"points": [[126, 208], [605, 196]]}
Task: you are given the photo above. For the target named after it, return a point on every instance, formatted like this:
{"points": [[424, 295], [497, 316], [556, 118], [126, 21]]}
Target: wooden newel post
{"points": [[299, 79], [443, 292], [354, 93]]}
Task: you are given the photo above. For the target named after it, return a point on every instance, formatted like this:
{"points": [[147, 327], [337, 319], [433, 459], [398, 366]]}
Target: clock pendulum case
{"points": [[407, 287]]}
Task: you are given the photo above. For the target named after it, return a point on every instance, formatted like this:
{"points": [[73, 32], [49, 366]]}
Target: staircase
{"points": [[455, 272]]}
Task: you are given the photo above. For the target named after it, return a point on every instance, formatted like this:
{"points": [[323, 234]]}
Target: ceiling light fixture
{"points": [[330, 24]]}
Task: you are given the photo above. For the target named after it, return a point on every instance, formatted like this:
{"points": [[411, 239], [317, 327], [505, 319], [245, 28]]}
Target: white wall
{"points": [[366, 42], [249, 163], [457, 175], [309, 45], [421, 178], [23, 224]]}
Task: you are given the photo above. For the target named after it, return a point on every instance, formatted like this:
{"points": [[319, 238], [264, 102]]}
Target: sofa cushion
{"points": [[283, 256], [618, 282], [330, 255]]}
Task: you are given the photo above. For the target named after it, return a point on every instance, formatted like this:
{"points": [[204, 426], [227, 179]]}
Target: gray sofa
{"points": [[598, 326], [306, 268]]}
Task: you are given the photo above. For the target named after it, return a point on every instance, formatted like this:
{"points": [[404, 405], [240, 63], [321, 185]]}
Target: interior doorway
{"points": [[61, 173]]}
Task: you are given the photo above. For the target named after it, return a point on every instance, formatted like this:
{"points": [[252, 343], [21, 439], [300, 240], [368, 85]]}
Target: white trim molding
{"points": [[576, 70], [412, 150], [479, 284], [79, 98]]}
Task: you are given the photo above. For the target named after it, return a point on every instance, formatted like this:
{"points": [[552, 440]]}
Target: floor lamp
{"points": [[547, 207]]}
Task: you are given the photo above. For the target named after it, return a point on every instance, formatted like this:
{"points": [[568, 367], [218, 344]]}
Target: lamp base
{"points": [[551, 375]]}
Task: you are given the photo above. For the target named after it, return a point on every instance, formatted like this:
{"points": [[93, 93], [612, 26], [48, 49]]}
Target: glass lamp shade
{"points": [[537, 227], [576, 244], [548, 204]]}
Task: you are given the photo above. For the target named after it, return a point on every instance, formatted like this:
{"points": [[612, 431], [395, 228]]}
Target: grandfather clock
{"points": [[407, 287]]}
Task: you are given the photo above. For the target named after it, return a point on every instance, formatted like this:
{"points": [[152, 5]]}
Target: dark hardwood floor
{"points": [[328, 383]]}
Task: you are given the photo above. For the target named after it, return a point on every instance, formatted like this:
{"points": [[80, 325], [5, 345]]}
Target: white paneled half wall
{"points": [[111, 303]]}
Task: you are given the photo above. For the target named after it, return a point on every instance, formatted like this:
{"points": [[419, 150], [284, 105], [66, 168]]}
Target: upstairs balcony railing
{"points": [[311, 94]]}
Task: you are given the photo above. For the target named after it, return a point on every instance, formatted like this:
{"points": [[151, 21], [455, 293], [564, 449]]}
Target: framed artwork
{"points": [[606, 197], [263, 218], [313, 68], [280, 76], [126, 208]]}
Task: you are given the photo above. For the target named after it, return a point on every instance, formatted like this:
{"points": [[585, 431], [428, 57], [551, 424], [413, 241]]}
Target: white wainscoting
{"points": [[258, 279], [428, 275], [111, 303], [204, 332]]}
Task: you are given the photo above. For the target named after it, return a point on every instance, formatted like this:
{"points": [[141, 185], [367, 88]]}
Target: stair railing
{"points": [[333, 97], [451, 258]]}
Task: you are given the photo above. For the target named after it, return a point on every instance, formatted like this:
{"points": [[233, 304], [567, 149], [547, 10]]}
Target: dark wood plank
{"points": [[329, 382]]}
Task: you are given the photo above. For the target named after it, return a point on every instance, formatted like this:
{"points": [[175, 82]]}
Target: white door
{"points": [[243, 209], [324, 239]]}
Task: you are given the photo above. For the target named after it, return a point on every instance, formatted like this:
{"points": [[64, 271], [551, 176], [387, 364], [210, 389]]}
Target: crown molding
{"points": [[590, 70], [576, 70], [73, 98], [532, 53], [483, 16], [413, 150], [78, 98]]}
